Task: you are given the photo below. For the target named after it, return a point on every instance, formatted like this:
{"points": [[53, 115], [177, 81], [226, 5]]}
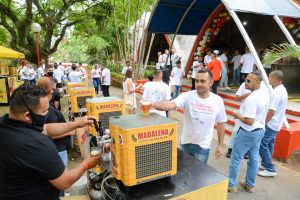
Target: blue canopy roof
{"points": [[168, 14]]}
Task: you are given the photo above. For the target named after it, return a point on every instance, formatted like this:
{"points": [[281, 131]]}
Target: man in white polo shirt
{"points": [[202, 109], [274, 121], [207, 57], [157, 91], [177, 75], [252, 117], [105, 80], [247, 64]]}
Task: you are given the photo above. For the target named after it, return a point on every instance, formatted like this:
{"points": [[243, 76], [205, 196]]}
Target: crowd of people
{"points": [[38, 130]]}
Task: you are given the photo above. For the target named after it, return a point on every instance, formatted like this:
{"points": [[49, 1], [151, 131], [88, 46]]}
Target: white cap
{"points": [[216, 52]]}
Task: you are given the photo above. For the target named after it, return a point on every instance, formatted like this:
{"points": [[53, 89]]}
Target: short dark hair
{"points": [[150, 77], [127, 62], [258, 74], [277, 74], [205, 70], [24, 97]]}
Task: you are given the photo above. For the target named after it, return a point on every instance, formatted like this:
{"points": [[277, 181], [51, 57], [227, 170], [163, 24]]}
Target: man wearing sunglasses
{"points": [[252, 117]]}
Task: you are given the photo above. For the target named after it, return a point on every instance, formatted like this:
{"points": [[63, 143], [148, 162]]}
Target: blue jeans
{"points": [[177, 91], [196, 151], [245, 142], [266, 149], [236, 128], [236, 76], [96, 84]]}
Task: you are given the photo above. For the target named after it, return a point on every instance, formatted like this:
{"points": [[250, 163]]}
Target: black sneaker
{"points": [[228, 154]]}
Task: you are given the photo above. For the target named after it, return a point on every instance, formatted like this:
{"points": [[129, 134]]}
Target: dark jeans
{"points": [[32, 82], [215, 86], [96, 84], [105, 90], [193, 83], [243, 77]]}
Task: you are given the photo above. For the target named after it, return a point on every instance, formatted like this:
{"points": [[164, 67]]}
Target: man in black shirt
{"points": [[30, 167]]}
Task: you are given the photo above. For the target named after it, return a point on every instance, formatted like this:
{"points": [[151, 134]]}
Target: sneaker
{"points": [[246, 187], [228, 154], [232, 189], [266, 173], [261, 168]]}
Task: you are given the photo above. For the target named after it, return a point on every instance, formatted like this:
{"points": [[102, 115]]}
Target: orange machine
{"points": [[78, 96], [143, 148], [76, 84], [103, 108]]}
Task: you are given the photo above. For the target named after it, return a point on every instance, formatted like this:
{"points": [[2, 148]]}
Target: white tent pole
{"points": [[284, 30]]}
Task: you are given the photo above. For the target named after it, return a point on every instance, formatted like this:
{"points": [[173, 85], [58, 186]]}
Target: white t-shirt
{"points": [[200, 116], [223, 59], [248, 61], [61, 68], [197, 68], [278, 104], [255, 107], [177, 74], [24, 73], [165, 57], [106, 75], [174, 58], [124, 70], [207, 59], [236, 61], [75, 76], [40, 72], [58, 75], [156, 92], [31, 74], [241, 91], [95, 73]]}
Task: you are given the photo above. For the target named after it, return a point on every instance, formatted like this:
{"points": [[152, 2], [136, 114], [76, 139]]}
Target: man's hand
{"points": [[85, 121], [91, 162], [219, 152], [236, 115]]}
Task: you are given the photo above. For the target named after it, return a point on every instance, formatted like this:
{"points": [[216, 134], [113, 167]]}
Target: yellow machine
{"points": [[143, 148], [78, 96], [103, 108], [76, 84]]}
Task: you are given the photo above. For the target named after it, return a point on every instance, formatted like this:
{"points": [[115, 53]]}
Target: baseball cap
{"points": [[216, 52]]}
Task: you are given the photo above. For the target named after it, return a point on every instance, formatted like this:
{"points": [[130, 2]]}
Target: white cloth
{"points": [[31, 74], [156, 92], [106, 75], [165, 58], [255, 107], [24, 73], [58, 75], [130, 99], [174, 58], [278, 104], [200, 116], [124, 70], [83, 71], [241, 91], [95, 73], [196, 67], [223, 59], [236, 61], [207, 59], [248, 62], [75, 76], [177, 74], [40, 72], [61, 68]]}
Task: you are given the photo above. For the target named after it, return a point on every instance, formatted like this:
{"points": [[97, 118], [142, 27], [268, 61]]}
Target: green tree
{"points": [[55, 18]]}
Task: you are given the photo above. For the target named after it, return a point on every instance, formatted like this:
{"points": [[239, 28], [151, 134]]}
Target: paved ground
{"points": [[286, 185]]}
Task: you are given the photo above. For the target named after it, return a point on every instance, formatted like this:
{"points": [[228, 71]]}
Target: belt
{"points": [[257, 129]]}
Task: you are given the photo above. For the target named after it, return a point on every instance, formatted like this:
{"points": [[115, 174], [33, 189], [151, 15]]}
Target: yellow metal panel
{"points": [[217, 191], [80, 92], [76, 84]]}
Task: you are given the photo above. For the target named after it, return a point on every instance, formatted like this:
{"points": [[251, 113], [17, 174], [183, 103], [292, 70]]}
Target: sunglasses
{"points": [[248, 81]]}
